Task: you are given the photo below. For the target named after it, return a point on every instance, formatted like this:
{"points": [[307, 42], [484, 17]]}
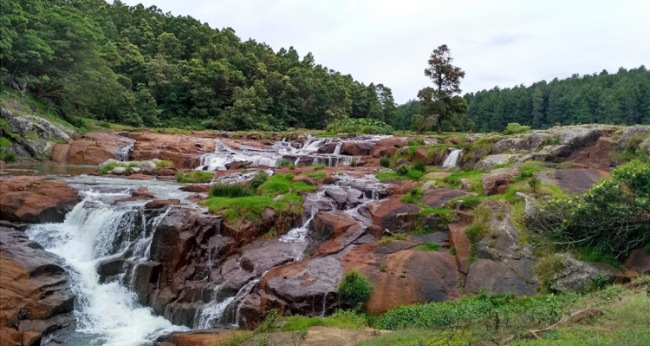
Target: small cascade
{"points": [[451, 160], [124, 153], [337, 150], [212, 312]]}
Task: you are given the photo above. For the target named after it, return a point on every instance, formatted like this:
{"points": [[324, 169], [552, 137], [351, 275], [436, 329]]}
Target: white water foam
{"points": [[110, 312], [451, 160]]}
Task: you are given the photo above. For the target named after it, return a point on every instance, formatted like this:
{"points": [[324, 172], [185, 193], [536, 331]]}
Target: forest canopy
{"points": [[139, 66]]}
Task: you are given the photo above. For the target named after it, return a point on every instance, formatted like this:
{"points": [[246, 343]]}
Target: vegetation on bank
{"points": [[238, 202]]}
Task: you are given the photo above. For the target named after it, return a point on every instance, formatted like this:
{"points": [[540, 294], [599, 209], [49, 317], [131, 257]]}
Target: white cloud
{"points": [[496, 42]]}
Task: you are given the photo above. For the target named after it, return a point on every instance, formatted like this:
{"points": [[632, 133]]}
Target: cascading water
{"points": [[124, 153], [94, 231], [452, 158]]}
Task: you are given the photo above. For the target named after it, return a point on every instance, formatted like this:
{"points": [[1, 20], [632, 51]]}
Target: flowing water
{"points": [[451, 160], [96, 230]]}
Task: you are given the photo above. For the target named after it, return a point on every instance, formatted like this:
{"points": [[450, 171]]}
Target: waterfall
{"points": [[337, 150], [95, 230], [452, 158], [124, 153]]}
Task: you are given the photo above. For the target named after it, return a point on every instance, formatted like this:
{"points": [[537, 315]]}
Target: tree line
{"points": [[139, 66], [619, 98]]}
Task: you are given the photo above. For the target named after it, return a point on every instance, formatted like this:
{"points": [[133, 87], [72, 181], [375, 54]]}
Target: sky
{"points": [[500, 43]]}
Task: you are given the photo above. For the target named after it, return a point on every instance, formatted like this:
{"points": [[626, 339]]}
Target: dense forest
{"points": [[620, 98], [140, 66]]}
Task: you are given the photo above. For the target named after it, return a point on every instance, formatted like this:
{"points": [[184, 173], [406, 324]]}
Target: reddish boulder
{"points": [[356, 148], [436, 198], [35, 199], [578, 180], [35, 296], [160, 203], [392, 214], [182, 150], [639, 261], [388, 146], [91, 149], [498, 180]]}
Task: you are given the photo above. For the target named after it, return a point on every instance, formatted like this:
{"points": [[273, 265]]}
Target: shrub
{"points": [[354, 289], [420, 166], [7, 156], [164, 164], [514, 128], [384, 161], [610, 218], [258, 179], [194, 177], [359, 126], [230, 190], [402, 170]]}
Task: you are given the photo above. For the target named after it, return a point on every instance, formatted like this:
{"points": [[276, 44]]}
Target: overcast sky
{"points": [[496, 42]]}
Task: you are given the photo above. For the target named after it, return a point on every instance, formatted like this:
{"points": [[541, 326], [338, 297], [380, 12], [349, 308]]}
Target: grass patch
{"points": [[413, 196], [345, 319], [411, 174], [230, 190], [194, 177], [467, 202], [237, 338], [354, 289], [388, 239], [164, 164], [454, 180], [319, 176], [589, 254], [319, 166], [477, 230], [428, 247], [239, 208], [283, 183]]}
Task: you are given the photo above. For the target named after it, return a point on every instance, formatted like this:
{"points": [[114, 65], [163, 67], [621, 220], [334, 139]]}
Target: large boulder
{"points": [[498, 180], [495, 160], [388, 146], [35, 199], [503, 263], [35, 135], [392, 214], [182, 150], [357, 148], [92, 149], [509, 145], [36, 297], [578, 276]]}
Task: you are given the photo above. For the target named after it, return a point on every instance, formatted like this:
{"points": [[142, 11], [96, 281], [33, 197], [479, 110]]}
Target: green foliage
{"points": [[107, 168], [164, 164], [230, 190], [194, 177], [346, 319], [238, 338], [270, 320], [474, 309], [258, 179], [455, 179], [359, 126], [5, 142], [316, 175], [428, 247], [354, 289], [534, 183], [515, 128], [318, 166], [384, 161], [387, 239], [420, 166], [411, 174], [402, 170], [240, 208], [413, 196], [7, 156], [547, 268], [611, 218], [279, 184]]}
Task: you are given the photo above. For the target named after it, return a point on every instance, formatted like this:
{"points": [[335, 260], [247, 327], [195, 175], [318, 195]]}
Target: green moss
{"points": [[428, 247], [240, 208]]}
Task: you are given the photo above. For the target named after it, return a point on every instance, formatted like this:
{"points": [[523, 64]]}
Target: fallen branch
{"points": [[574, 317]]}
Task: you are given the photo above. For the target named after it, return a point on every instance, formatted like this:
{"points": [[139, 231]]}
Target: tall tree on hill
{"points": [[442, 101]]}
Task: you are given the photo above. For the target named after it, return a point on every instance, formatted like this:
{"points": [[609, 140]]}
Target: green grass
{"points": [[164, 164], [345, 319], [454, 180], [233, 209], [194, 177], [428, 247], [230, 190], [316, 175], [319, 166], [387, 239], [107, 168], [412, 174], [283, 183]]}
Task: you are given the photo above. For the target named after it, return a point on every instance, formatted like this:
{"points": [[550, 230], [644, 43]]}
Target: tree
{"points": [[446, 80]]}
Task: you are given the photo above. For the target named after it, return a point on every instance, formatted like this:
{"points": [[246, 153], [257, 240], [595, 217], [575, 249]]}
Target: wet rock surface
{"points": [[35, 199], [35, 295]]}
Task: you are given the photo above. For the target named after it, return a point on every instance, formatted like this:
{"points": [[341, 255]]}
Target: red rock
{"points": [[91, 149], [392, 214], [356, 148], [10, 337], [388, 146], [182, 150], [498, 180], [462, 245], [435, 198], [166, 171], [35, 199], [159, 203], [140, 176], [32, 338], [195, 188]]}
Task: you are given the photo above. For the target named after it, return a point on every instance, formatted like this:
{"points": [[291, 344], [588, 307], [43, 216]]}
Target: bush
{"points": [[420, 166], [7, 156], [402, 170], [514, 128], [384, 161], [230, 190], [354, 289], [194, 177], [610, 218], [258, 179], [164, 164], [360, 126]]}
